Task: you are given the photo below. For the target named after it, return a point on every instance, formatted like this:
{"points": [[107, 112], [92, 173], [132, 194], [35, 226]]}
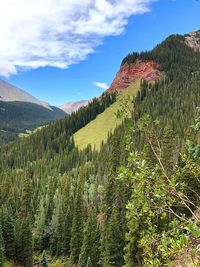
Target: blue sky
{"points": [[101, 62]]}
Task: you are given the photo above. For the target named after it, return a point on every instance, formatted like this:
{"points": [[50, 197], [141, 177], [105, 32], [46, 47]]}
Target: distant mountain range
{"points": [[73, 106], [84, 160], [20, 111], [10, 93]]}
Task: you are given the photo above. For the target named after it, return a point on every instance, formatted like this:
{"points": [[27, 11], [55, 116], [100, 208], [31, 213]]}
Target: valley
{"points": [[21, 112], [115, 182]]}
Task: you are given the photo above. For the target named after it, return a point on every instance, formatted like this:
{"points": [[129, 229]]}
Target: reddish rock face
{"points": [[128, 73]]}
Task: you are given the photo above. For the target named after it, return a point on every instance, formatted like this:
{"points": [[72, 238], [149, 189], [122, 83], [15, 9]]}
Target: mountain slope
{"points": [[73, 106], [152, 67], [97, 130], [19, 111], [19, 116], [129, 73], [192, 39], [122, 201], [10, 93]]}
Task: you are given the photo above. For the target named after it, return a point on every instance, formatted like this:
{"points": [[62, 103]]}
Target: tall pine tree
{"points": [[77, 222], [1, 248]]}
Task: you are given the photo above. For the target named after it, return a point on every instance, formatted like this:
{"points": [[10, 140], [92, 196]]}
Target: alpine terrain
{"points": [[20, 112], [73, 106], [114, 184]]}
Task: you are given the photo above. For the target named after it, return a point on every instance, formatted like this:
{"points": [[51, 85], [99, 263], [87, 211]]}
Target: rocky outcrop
{"points": [[193, 40], [128, 73]]}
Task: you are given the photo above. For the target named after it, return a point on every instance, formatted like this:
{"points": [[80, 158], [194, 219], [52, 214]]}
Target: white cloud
{"points": [[58, 33], [101, 85]]}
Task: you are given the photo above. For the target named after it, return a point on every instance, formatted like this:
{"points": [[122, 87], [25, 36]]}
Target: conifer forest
{"points": [[133, 202]]}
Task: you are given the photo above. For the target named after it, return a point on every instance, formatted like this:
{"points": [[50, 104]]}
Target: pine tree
{"points": [[112, 242], [152, 149], [1, 248], [89, 263], [25, 245], [44, 260], [9, 237], [26, 197], [90, 247], [169, 149], [77, 222], [67, 223]]}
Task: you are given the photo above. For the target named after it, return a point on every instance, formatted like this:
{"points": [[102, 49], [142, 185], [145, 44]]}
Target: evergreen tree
{"points": [[9, 237], [90, 246], [1, 248], [112, 248], [152, 149], [77, 222], [25, 246], [169, 149], [44, 260], [89, 263], [26, 208]]}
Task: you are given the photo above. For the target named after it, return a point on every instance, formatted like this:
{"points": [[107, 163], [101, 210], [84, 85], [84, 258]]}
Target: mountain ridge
{"points": [[72, 106], [192, 39], [129, 73], [20, 111], [11, 93], [125, 198], [133, 67]]}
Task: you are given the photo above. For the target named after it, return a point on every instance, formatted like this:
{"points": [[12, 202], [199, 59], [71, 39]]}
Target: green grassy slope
{"points": [[97, 130]]}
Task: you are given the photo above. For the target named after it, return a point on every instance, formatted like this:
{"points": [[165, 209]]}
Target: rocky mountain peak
{"points": [[192, 39], [10, 93], [73, 106]]}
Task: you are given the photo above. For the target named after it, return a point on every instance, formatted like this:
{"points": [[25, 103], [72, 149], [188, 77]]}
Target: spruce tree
{"points": [[169, 149], [9, 237], [152, 149], [44, 260], [112, 242], [89, 263], [77, 221], [25, 246], [90, 247], [1, 248], [26, 197]]}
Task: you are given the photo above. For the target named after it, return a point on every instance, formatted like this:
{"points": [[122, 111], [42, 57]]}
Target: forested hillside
{"points": [[135, 202], [17, 117], [20, 112]]}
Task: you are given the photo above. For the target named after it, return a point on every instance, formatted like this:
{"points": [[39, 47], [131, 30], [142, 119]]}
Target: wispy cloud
{"points": [[58, 33], [101, 85]]}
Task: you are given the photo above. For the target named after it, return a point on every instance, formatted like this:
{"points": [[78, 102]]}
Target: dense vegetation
{"points": [[133, 203], [174, 99], [17, 117]]}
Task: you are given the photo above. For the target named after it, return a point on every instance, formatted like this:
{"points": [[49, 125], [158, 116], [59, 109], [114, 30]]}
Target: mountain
{"points": [[19, 112], [73, 106], [130, 72], [10, 93], [133, 66], [105, 123], [135, 200], [192, 39]]}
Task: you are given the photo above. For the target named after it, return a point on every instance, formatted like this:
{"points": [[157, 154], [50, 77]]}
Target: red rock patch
{"points": [[128, 73]]}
